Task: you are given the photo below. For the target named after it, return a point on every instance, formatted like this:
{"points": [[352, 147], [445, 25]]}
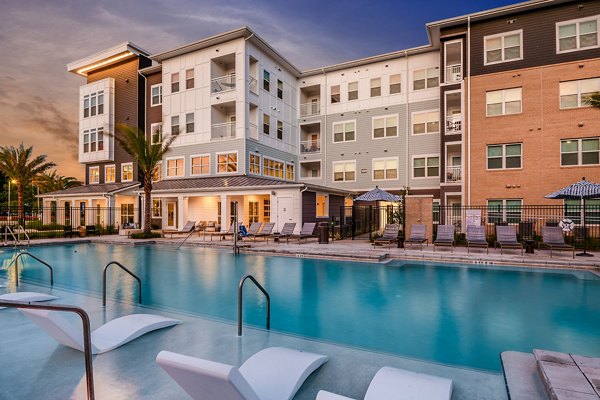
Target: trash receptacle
{"points": [[323, 234]]}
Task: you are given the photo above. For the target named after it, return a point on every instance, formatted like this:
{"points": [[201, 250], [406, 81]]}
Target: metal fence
{"points": [[364, 221]]}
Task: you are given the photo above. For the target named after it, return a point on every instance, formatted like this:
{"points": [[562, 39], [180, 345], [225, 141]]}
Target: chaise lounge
{"points": [[444, 237], [307, 232], [506, 237], [390, 235], [476, 238], [187, 228], [418, 235], [286, 233], [264, 232], [552, 237], [275, 373]]}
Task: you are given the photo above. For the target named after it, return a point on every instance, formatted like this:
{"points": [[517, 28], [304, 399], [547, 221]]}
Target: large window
{"points": [[157, 172], [93, 104], [503, 102], [375, 87], [335, 94], [175, 82], [575, 94], [344, 171], [385, 168], [127, 172], [252, 211], [344, 131], [266, 80], [156, 208], [395, 84], [94, 175], [426, 78], [578, 34], [175, 125], [127, 214], [385, 127], [227, 163], [574, 210], [189, 123], [280, 130], [189, 79], [504, 210], [426, 167], [426, 122], [580, 151], [156, 133], [503, 47], [156, 93], [353, 91], [273, 168], [290, 172], [504, 156], [200, 164], [93, 140], [254, 164], [109, 174], [266, 124], [175, 167]]}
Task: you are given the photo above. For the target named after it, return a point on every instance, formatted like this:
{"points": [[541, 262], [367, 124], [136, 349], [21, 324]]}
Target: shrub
{"points": [[141, 235]]}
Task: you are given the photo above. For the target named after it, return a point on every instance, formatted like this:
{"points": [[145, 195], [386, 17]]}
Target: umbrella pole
{"points": [[585, 253]]}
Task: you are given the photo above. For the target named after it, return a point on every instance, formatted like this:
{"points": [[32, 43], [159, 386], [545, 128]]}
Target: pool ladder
{"points": [[118, 264], [25, 253], [240, 293]]}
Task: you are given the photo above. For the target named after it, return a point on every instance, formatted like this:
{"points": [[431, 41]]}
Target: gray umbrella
{"points": [[579, 190], [378, 195]]}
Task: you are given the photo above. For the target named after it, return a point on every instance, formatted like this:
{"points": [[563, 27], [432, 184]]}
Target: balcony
{"points": [[453, 73], [222, 83], [309, 109], [310, 146], [454, 124], [223, 131], [453, 173]]}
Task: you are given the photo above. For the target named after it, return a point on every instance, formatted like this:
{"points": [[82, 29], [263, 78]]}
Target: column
{"points": [[224, 213]]}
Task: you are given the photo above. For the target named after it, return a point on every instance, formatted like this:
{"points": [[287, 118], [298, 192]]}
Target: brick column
{"points": [[419, 210]]}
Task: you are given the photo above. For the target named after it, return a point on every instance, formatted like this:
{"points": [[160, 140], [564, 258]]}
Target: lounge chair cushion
{"points": [[27, 296]]}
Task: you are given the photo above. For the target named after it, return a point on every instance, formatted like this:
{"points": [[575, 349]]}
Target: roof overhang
{"points": [[105, 58], [65, 193]]}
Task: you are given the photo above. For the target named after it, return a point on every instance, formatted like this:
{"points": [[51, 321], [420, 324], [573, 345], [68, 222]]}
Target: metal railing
{"points": [[126, 270], [87, 336], [222, 83], [454, 124], [453, 73], [22, 230], [453, 173], [308, 109], [222, 131], [253, 131], [240, 296], [16, 263], [310, 146], [8, 230]]}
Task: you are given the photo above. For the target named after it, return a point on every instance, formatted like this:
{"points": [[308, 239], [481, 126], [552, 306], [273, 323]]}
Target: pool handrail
{"points": [[118, 264], [16, 263], [87, 336], [240, 293]]}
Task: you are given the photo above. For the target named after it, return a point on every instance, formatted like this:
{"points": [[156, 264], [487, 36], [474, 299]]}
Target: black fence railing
{"points": [[364, 221], [48, 222]]}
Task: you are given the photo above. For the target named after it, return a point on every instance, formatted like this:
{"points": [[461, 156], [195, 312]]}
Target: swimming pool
{"points": [[441, 313]]}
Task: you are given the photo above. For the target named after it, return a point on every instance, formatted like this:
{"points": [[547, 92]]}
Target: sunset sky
{"points": [[38, 101]]}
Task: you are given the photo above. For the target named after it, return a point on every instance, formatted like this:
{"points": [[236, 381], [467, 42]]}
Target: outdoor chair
{"points": [[526, 230], [506, 237], [476, 238], [264, 232], [418, 235], [307, 232], [444, 237], [92, 230], [69, 232], [253, 230], [552, 237], [187, 228], [286, 233], [390, 235]]}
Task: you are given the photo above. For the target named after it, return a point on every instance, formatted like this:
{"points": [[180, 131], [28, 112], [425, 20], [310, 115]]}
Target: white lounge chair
{"points": [[27, 296], [108, 337], [275, 373], [398, 384]]}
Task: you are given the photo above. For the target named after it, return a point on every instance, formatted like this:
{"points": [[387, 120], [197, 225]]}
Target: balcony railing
{"points": [[453, 73], [253, 131], [308, 109], [222, 84], [453, 173], [454, 124], [253, 85], [310, 146], [223, 131]]}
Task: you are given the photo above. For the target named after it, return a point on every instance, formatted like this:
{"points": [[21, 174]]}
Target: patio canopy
{"points": [[378, 195], [578, 190]]}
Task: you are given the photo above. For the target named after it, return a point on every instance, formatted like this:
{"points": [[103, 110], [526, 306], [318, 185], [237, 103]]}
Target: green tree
{"points": [[594, 100], [19, 165], [51, 182], [148, 155]]}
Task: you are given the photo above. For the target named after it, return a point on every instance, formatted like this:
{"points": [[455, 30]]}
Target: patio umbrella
{"points": [[579, 190], [378, 195]]}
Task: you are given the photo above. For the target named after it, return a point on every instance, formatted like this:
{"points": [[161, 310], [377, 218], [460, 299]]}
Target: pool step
{"points": [[521, 375]]}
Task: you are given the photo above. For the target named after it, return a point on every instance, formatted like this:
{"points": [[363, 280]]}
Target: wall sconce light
{"points": [[580, 124]]}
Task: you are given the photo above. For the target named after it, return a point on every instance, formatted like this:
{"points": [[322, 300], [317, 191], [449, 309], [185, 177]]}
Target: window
{"points": [[426, 122], [227, 163], [127, 214], [501, 210], [395, 84], [86, 106], [200, 164], [254, 164], [266, 80], [100, 103], [574, 210], [426, 167], [157, 172], [175, 82], [93, 105], [385, 127], [156, 93], [252, 211], [322, 208], [272, 168], [126, 172], [156, 208], [175, 167], [267, 210], [577, 35], [344, 171], [375, 87], [94, 175], [156, 133], [266, 124], [503, 47], [100, 139], [344, 132], [385, 168], [189, 79], [279, 130], [86, 141], [279, 89], [426, 78], [189, 123], [93, 140], [575, 94], [335, 94], [109, 173], [580, 152], [503, 102], [175, 125], [290, 173], [504, 156], [352, 91]]}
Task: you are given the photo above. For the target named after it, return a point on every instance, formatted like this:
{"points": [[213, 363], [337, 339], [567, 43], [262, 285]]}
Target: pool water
{"points": [[447, 314]]}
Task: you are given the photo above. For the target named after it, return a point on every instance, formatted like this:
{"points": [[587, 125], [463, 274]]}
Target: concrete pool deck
{"points": [[35, 366]]}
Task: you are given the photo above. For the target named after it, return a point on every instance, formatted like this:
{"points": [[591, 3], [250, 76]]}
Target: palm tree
{"points": [[51, 182], [19, 166], [594, 100], [148, 155]]}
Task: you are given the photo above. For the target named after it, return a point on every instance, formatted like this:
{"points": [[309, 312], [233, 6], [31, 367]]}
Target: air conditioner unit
{"points": [[457, 76]]}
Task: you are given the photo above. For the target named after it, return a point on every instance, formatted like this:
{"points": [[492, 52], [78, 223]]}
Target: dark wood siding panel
{"points": [[539, 37], [153, 114], [335, 205], [309, 207], [454, 30]]}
